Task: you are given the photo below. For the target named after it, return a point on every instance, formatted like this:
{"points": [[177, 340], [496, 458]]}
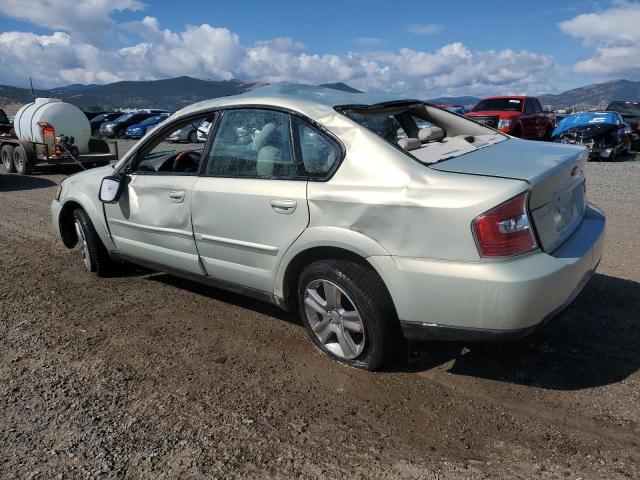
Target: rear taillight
{"points": [[505, 231]]}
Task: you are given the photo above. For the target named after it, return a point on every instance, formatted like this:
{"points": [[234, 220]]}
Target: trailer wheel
{"points": [[7, 158], [22, 161]]}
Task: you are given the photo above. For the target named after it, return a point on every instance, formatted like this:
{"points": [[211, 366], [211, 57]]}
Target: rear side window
{"points": [[319, 153], [536, 106], [253, 143]]}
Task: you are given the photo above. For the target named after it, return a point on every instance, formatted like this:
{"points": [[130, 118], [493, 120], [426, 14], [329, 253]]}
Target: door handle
{"points": [[284, 206], [176, 196]]}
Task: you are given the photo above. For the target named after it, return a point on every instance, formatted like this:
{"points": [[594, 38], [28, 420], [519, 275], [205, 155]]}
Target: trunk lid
{"points": [[554, 171]]}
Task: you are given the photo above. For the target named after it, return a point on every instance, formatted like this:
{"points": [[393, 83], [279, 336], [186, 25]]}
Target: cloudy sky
{"points": [[410, 47]]}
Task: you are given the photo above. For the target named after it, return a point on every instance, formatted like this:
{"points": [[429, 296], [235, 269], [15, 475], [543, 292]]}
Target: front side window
{"points": [[161, 156], [253, 143], [319, 153]]}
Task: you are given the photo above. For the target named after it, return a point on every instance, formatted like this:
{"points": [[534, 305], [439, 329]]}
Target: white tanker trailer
{"points": [[50, 131]]}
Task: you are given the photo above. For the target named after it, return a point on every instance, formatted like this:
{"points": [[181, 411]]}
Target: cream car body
{"points": [[406, 214]]}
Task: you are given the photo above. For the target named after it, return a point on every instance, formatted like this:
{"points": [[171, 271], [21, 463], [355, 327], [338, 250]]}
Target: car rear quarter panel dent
{"points": [[402, 205]]}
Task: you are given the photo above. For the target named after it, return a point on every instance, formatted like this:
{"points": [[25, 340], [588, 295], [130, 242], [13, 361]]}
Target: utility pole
{"points": [[33, 94]]}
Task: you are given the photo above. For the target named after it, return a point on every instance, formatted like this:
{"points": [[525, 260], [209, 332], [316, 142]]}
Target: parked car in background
{"points": [[203, 131], [92, 115], [459, 109], [310, 188], [630, 112], [138, 130], [118, 126], [516, 115], [98, 120], [605, 134], [188, 133], [6, 125]]}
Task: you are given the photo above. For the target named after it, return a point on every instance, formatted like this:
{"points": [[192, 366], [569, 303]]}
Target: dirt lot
{"points": [[148, 376]]}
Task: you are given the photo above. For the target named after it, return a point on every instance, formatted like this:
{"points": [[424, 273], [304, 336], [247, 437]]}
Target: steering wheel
{"points": [[183, 161]]}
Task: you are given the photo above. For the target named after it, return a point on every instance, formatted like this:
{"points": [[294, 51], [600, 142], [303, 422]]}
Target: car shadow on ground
{"points": [[595, 342], [226, 297], [12, 183]]}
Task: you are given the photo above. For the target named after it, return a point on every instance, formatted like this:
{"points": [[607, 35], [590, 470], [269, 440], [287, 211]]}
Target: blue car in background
{"points": [[139, 129], [605, 134]]}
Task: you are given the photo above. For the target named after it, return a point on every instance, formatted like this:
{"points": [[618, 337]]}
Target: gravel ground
{"points": [[145, 375]]}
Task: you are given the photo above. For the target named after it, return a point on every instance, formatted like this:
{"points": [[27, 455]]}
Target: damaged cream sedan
{"points": [[375, 219]]}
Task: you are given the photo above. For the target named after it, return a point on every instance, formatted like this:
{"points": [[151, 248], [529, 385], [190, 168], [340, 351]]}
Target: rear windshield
{"points": [[625, 108], [124, 118], [381, 123], [499, 104], [154, 119]]}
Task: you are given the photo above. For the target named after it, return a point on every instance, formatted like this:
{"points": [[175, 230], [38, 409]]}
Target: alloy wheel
{"points": [[84, 247], [334, 319]]}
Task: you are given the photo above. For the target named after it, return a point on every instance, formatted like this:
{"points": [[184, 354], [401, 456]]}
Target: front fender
{"points": [[95, 211]]}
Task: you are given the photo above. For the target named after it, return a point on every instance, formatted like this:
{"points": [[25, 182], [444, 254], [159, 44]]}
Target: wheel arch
{"points": [[309, 249], [96, 214], [66, 223]]}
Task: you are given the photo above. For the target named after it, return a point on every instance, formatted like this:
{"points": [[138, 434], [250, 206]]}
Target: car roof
{"points": [[312, 101], [507, 96]]}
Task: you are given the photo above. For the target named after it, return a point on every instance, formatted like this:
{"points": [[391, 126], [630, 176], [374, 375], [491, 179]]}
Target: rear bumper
{"points": [[491, 300]]}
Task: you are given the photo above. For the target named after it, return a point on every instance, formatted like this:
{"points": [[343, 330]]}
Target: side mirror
{"points": [[111, 188]]}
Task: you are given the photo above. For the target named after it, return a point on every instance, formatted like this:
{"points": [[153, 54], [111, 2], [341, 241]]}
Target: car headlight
{"points": [[504, 123]]}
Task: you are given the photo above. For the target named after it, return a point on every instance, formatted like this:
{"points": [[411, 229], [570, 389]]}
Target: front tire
{"points": [[7, 158], [94, 254], [348, 313]]}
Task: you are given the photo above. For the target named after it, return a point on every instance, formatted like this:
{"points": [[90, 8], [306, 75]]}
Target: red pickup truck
{"points": [[516, 115]]}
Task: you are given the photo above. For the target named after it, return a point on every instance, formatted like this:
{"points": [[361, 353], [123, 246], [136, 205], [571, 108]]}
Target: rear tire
{"points": [[94, 254], [7, 158], [22, 160], [517, 132], [357, 323]]}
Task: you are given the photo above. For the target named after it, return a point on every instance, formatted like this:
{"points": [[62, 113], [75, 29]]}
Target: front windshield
{"points": [[499, 105]]}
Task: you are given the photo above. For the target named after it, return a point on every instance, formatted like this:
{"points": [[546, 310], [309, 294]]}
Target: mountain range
{"points": [[174, 93]]}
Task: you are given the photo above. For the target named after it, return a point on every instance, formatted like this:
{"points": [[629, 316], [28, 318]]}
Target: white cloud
{"points": [[615, 35], [88, 19], [425, 29], [206, 51]]}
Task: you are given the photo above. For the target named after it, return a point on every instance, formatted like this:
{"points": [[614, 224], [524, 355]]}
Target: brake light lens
{"points": [[505, 231]]}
